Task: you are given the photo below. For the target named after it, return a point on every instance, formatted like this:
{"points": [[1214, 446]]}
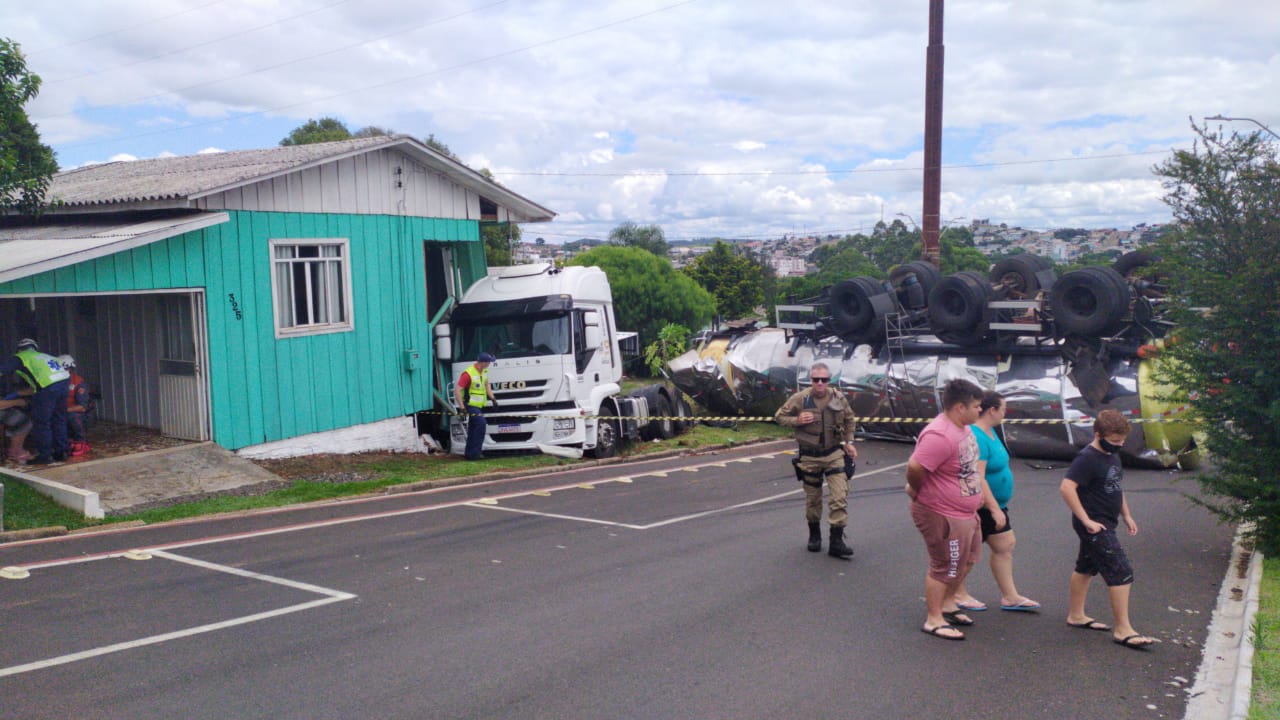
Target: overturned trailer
{"points": [[1058, 349]]}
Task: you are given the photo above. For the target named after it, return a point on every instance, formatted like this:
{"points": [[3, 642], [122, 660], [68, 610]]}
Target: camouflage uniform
{"points": [[821, 451]]}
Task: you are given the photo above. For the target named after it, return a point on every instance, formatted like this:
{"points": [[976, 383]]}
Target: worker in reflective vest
{"points": [[473, 394], [48, 384]]}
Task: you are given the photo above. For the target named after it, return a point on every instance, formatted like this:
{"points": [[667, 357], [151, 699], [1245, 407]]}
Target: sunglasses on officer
{"points": [[820, 379]]}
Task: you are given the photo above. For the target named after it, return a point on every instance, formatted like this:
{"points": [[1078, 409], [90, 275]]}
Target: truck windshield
{"points": [[515, 337]]}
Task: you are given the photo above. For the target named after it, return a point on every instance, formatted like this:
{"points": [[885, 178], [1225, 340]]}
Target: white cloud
{"points": [[601, 110]]}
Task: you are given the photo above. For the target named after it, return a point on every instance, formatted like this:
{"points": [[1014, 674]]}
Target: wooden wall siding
{"points": [[360, 185], [263, 389], [117, 349]]}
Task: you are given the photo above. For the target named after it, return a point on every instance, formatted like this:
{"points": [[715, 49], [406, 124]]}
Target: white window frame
{"points": [[345, 324]]}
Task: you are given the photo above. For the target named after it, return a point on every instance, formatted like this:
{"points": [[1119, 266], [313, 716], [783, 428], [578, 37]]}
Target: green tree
{"points": [[736, 282], [845, 263], [1225, 256], [26, 164], [372, 131], [326, 129], [673, 340], [431, 142], [957, 256], [499, 238], [648, 293], [1106, 257], [646, 237]]}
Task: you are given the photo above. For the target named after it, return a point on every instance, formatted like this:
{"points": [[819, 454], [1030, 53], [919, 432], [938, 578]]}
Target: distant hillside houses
{"points": [[1062, 245], [789, 254]]}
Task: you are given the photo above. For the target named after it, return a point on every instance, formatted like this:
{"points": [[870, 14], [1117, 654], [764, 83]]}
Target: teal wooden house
{"points": [[259, 299]]}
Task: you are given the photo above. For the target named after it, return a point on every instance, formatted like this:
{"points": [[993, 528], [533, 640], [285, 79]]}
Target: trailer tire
{"points": [[959, 302], [1130, 261], [683, 410], [1090, 301], [850, 306], [664, 428], [913, 283], [1017, 274]]}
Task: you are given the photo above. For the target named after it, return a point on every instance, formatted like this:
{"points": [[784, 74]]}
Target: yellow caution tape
{"points": [[1165, 417]]}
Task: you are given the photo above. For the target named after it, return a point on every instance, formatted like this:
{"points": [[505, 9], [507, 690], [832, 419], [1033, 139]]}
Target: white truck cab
{"points": [[558, 362]]}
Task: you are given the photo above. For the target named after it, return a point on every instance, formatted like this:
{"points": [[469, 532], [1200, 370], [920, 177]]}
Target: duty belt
{"points": [[821, 452]]}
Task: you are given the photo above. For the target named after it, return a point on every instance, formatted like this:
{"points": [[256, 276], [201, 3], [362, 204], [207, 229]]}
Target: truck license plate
{"points": [[512, 427]]}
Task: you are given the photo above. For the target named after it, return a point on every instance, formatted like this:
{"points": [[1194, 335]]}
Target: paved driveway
{"points": [[672, 588]]}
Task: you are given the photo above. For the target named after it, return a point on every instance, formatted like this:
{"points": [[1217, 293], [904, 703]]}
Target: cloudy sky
{"points": [[734, 118]]}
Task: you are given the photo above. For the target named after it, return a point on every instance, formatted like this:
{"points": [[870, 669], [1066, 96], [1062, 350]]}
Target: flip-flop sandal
{"points": [[957, 618], [1129, 642], [934, 632], [972, 607], [1090, 625], [1024, 606]]}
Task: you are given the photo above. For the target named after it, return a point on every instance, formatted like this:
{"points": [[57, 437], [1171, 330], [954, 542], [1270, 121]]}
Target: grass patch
{"points": [[1265, 702], [25, 508], [705, 436]]}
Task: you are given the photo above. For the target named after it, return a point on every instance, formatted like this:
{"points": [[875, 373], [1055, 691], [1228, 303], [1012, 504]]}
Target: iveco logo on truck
{"points": [[507, 385]]}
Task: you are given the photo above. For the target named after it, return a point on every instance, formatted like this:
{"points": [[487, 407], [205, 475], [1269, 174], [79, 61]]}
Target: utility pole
{"points": [[930, 216]]}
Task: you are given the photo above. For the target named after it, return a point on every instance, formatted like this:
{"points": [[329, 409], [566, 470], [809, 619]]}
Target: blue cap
{"points": [[485, 357]]}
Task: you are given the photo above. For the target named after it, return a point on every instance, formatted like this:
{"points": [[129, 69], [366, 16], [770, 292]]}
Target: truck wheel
{"points": [[607, 439], [1017, 273], [681, 410], [663, 429], [1089, 301]]}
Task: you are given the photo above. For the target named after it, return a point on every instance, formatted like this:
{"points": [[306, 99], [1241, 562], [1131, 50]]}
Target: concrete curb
{"points": [[85, 502], [1225, 679], [32, 533]]}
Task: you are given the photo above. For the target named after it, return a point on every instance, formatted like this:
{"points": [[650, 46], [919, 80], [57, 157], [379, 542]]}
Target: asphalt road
{"points": [[610, 592]]}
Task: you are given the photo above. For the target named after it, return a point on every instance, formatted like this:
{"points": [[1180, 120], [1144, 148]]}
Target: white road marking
{"points": [[331, 596], [317, 524], [557, 516]]}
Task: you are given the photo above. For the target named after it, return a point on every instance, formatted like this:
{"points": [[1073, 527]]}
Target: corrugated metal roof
{"points": [[173, 181], [192, 175], [28, 249]]}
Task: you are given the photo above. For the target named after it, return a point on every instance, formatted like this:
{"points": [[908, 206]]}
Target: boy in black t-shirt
{"points": [[1092, 491]]}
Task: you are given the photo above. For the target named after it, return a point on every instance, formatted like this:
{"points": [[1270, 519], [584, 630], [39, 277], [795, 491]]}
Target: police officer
{"points": [[824, 425], [48, 382], [472, 394]]}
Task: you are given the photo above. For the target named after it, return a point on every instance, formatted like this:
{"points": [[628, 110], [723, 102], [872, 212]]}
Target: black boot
{"points": [[815, 537], [838, 548]]}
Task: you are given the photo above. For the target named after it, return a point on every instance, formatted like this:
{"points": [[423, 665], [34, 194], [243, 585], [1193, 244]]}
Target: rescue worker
{"points": [[79, 405], [824, 425], [472, 394], [48, 384]]}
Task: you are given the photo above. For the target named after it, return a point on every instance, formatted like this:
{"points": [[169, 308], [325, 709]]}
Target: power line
{"points": [[438, 71], [119, 30], [181, 50], [835, 171], [295, 61]]}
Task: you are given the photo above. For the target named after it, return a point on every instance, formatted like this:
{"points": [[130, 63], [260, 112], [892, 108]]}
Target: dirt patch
{"points": [[110, 439], [356, 467]]}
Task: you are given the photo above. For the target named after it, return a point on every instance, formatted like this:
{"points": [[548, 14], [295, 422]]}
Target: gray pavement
{"points": [[672, 588]]}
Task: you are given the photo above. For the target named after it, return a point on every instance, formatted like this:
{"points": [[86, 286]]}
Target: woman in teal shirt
{"points": [[997, 490]]}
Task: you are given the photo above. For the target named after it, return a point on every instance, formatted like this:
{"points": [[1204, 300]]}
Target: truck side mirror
{"points": [[444, 343]]}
